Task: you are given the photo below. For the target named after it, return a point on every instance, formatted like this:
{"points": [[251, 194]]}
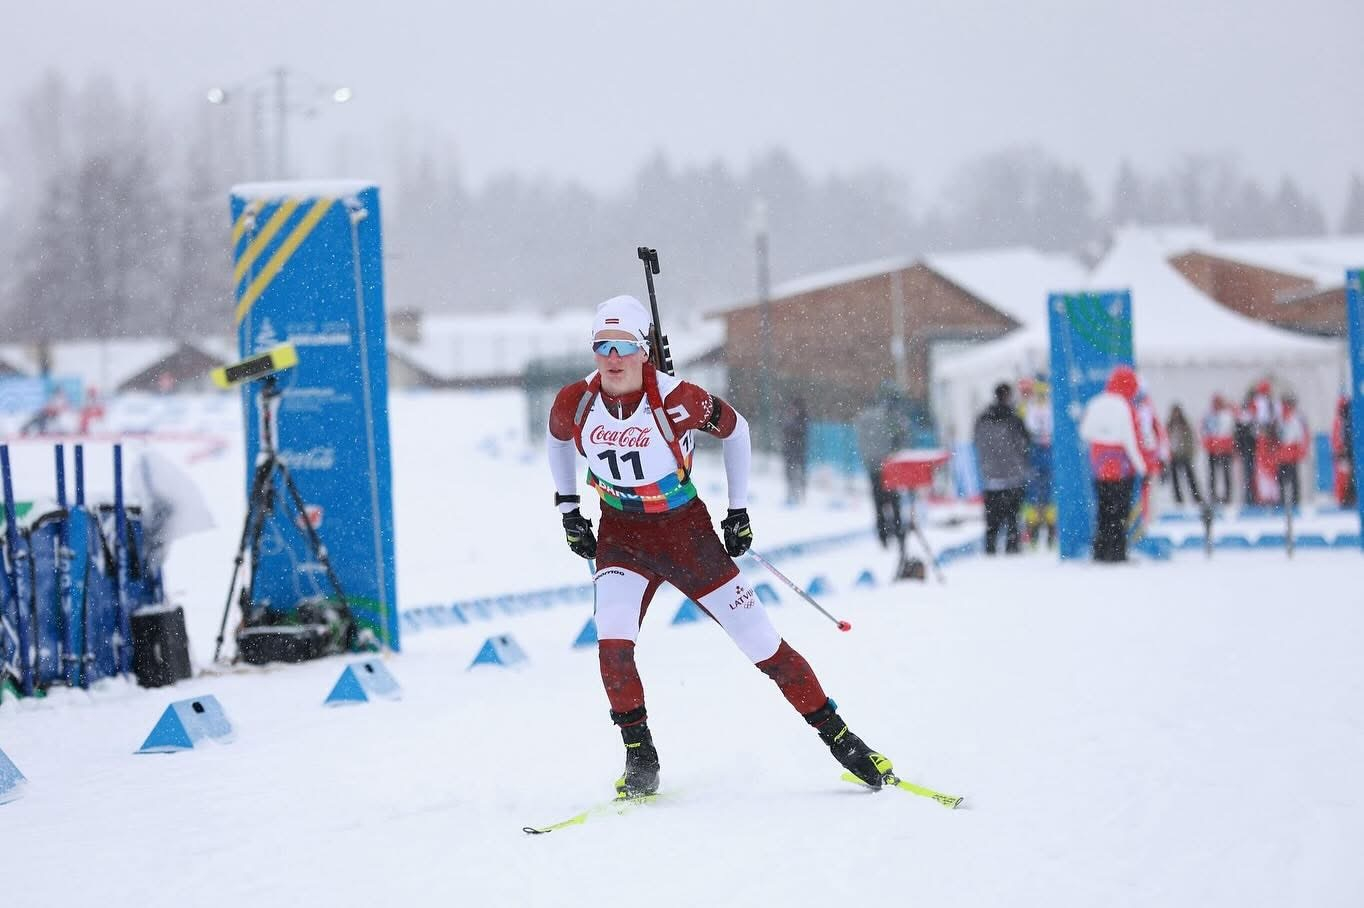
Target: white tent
{"points": [[1187, 346], [1014, 280]]}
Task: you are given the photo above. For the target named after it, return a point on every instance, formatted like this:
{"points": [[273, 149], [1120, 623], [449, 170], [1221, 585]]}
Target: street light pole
{"points": [[277, 81], [258, 134], [281, 123]]}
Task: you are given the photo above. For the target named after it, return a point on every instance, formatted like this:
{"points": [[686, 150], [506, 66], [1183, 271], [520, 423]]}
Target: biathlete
{"points": [[635, 426]]}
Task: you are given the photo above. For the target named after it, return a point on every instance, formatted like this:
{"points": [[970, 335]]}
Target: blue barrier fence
{"points": [[1269, 540], [487, 608], [466, 611]]}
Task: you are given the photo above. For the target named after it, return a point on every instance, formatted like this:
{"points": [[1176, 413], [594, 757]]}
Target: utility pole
{"points": [[258, 168], [760, 248], [281, 123], [897, 329]]}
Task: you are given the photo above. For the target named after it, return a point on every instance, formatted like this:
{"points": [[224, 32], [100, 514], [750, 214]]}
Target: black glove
{"points": [[578, 533], [738, 532]]}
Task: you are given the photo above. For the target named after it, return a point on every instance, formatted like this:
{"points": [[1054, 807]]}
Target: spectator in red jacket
{"points": [[1342, 446], [92, 411], [1219, 441], [1293, 440]]}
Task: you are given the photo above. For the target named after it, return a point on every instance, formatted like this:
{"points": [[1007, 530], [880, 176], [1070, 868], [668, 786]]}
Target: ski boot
{"points": [[641, 757], [871, 767]]}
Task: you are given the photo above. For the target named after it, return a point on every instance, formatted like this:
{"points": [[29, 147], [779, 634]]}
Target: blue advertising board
{"points": [[1354, 317], [25, 396], [1090, 334], [308, 270]]}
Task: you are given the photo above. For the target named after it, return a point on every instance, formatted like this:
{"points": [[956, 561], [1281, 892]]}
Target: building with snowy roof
{"points": [[123, 364], [1187, 345], [10, 364], [1296, 283], [837, 337]]}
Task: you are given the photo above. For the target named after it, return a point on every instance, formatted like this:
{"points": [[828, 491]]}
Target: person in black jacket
{"points": [[795, 428], [1244, 439], [1183, 446], [1002, 445]]}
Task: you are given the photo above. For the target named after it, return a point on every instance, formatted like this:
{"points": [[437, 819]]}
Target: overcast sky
{"points": [[588, 90]]}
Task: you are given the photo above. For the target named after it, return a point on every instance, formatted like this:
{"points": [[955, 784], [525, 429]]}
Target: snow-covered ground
{"points": [[1186, 732]]}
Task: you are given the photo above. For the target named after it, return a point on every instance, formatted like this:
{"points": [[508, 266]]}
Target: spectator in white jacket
{"points": [[1109, 425]]}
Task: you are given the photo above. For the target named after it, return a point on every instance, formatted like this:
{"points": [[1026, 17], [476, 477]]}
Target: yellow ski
{"points": [[949, 801], [617, 805]]}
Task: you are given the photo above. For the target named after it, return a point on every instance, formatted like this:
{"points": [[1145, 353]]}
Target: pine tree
{"points": [[1352, 219], [94, 261], [1250, 214], [1020, 196], [1129, 204], [1295, 214], [200, 302]]}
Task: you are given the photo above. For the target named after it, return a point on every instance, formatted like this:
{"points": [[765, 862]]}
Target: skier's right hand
{"points": [[738, 532], [578, 534]]}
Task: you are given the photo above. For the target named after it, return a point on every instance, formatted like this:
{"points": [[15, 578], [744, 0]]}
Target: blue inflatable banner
{"points": [[1354, 316], [1090, 334], [308, 270]]}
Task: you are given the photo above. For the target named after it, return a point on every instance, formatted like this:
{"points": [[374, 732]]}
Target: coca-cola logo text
{"points": [[629, 437]]}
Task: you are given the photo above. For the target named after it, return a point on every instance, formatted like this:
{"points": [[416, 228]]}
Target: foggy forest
{"points": [[125, 205]]}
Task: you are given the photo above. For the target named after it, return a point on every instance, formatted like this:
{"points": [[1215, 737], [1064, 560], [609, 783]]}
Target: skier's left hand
{"points": [[578, 534], [738, 532]]}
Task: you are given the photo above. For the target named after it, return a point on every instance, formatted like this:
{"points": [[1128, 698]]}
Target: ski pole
{"points": [[1288, 519], [123, 634], [923, 540], [842, 625]]}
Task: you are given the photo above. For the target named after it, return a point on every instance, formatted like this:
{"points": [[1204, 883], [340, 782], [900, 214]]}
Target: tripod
{"points": [[909, 568], [262, 503]]}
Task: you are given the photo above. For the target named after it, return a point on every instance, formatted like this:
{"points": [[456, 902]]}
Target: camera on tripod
{"points": [[317, 625]]}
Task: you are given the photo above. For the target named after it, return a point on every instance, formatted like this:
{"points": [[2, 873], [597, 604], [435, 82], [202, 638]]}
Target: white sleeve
{"points": [[738, 453], [1086, 427], [1132, 446], [563, 465]]}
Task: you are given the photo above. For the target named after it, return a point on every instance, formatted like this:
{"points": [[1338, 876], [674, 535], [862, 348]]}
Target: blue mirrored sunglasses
{"points": [[621, 347]]}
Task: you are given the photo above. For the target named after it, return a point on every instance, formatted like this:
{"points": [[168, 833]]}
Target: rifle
{"points": [[659, 353]]}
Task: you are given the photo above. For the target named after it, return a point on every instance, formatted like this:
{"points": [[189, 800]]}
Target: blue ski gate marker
{"points": [[362, 681], [587, 636], [500, 650], [688, 613], [187, 722], [11, 780]]}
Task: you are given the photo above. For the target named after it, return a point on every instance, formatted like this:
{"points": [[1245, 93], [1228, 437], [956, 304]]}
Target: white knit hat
{"points": [[623, 313]]}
